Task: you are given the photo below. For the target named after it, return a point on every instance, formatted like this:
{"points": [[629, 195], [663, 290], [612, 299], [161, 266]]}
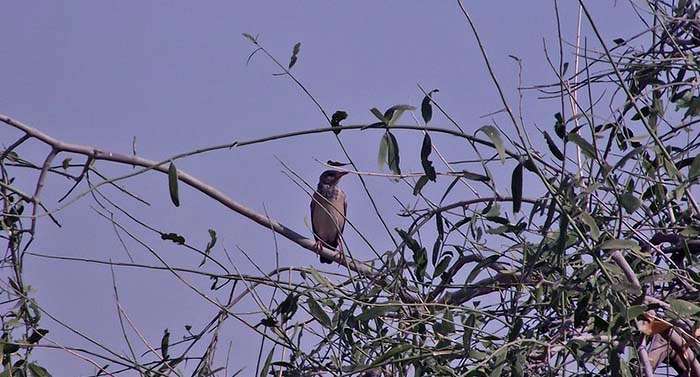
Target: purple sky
{"points": [[173, 75]]}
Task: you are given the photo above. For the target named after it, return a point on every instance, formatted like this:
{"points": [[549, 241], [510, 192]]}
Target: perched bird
{"points": [[328, 209]]}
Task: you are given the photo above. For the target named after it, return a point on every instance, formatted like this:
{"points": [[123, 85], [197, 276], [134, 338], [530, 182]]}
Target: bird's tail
{"points": [[330, 245]]}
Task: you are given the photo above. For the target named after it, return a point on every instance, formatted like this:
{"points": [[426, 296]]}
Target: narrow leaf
{"points": [[318, 313], [553, 147], [419, 184], [266, 367], [393, 159], [585, 146], [383, 155], [592, 225], [397, 349], [495, 136], [516, 187], [172, 184], [479, 266], [425, 151], [694, 171], [620, 244], [164, 344]]}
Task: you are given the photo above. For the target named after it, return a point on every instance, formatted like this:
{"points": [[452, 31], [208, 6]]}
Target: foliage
{"points": [[588, 267]]}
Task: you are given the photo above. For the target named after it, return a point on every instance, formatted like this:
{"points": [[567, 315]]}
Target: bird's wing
{"points": [[313, 223], [341, 226]]}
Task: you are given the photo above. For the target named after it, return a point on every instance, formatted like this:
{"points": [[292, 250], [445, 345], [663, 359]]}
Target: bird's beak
{"points": [[342, 173]]}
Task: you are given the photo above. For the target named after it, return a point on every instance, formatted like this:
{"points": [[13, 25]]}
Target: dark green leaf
{"points": [[426, 107], [419, 185], [164, 344], [210, 245], [338, 117], [172, 184], [266, 366], [425, 151], [38, 371], [379, 115], [479, 266], [495, 136], [336, 163], [393, 159], [553, 147], [250, 38], [442, 266], [295, 52], [694, 171], [474, 176], [376, 311], [37, 335], [585, 146], [516, 187], [630, 202], [176, 238], [395, 350], [66, 163], [559, 127], [318, 313]]}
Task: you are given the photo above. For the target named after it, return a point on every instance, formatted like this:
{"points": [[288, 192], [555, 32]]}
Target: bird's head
{"points": [[331, 177]]}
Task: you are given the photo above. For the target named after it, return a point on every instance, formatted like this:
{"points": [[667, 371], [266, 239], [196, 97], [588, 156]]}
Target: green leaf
{"points": [[426, 107], [425, 151], [620, 244], [474, 176], [338, 117], [250, 38], [395, 350], [176, 238], [383, 155], [295, 52], [318, 313], [495, 136], [630, 202], [37, 335], [585, 146], [683, 308], [419, 185], [210, 245], [694, 171], [38, 371], [393, 159], [516, 187], [479, 266], [592, 225], [379, 115], [553, 147], [66, 163], [635, 311], [266, 367], [172, 184], [376, 311], [442, 266], [164, 344], [393, 113]]}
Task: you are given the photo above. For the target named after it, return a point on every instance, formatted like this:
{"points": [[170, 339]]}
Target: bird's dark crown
{"points": [[327, 182]]}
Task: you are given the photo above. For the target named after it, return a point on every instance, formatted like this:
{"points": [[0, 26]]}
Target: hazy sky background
{"points": [[173, 75]]}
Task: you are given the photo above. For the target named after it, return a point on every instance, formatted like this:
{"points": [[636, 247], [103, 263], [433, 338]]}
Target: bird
{"points": [[328, 208]]}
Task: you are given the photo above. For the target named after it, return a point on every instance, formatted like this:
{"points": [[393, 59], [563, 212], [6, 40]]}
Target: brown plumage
{"points": [[328, 209]]}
